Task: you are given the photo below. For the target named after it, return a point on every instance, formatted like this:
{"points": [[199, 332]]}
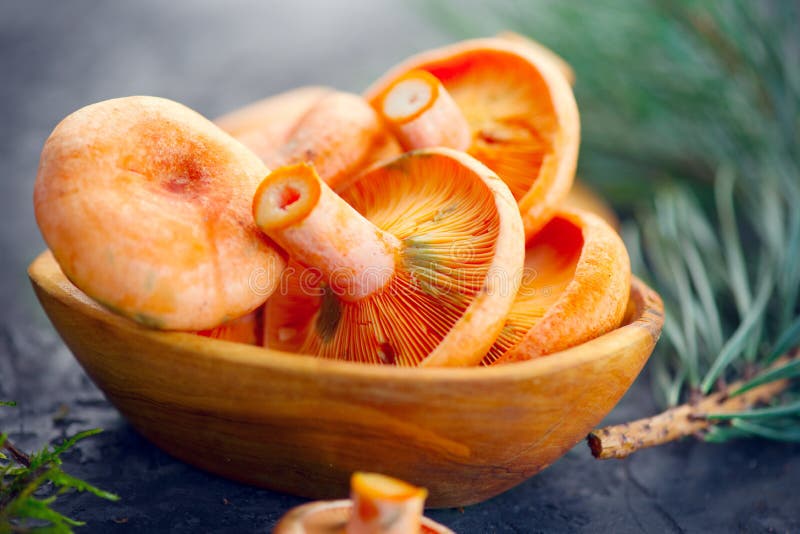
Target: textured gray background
{"points": [[214, 56]]}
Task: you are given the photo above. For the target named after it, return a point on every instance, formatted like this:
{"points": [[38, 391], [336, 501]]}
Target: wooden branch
{"points": [[618, 441], [17, 455]]}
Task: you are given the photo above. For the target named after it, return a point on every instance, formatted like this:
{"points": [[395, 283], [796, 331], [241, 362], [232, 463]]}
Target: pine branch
{"points": [[738, 402], [691, 115], [24, 477]]}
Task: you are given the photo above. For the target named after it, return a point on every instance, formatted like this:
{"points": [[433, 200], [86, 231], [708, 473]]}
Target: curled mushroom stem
{"points": [[314, 225], [422, 113], [619, 441]]}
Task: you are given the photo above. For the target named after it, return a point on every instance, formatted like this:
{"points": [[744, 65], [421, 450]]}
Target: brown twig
{"points": [[618, 441], [17, 455]]}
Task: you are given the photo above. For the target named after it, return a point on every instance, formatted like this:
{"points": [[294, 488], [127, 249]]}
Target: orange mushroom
{"points": [[265, 125], [522, 117], [543, 52], [423, 114], [384, 505], [584, 197], [146, 205], [337, 132], [580, 195], [575, 287], [417, 263], [245, 329], [378, 504]]}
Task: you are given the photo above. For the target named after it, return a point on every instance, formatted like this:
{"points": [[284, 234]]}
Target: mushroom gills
{"points": [[519, 109], [446, 222], [575, 287]]}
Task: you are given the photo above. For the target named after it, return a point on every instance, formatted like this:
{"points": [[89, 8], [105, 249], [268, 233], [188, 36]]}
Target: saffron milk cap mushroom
{"points": [[338, 132], [521, 113], [583, 197], [423, 114], [265, 125], [245, 329], [542, 52], [378, 504], [580, 195], [145, 205], [419, 260], [575, 288]]}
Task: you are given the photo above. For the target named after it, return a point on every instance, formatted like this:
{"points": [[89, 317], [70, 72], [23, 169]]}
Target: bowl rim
{"points": [[46, 275]]}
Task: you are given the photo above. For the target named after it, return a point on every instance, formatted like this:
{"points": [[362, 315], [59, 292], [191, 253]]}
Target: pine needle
{"points": [[691, 119]]}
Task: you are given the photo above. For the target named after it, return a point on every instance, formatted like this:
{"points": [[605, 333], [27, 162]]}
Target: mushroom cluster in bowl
{"points": [[323, 283]]}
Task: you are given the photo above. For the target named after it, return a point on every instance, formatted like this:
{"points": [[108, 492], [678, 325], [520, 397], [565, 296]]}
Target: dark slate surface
{"points": [[214, 56]]}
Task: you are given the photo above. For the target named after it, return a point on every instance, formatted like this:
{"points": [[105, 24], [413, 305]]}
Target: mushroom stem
{"points": [[384, 505], [619, 441], [422, 113], [303, 215]]}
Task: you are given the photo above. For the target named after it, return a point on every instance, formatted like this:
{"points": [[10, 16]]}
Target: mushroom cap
{"points": [[521, 110], [583, 197], [265, 125], [457, 272], [545, 53], [146, 206], [338, 132], [575, 287]]}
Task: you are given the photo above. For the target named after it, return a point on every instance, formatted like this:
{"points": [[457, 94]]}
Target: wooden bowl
{"points": [[302, 425]]}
